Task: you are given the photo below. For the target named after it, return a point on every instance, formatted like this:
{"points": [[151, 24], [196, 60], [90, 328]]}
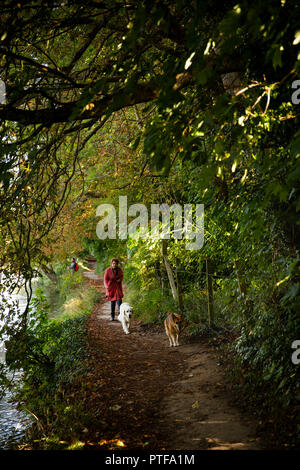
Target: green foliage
{"points": [[151, 305], [68, 295], [195, 311], [50, 350]]}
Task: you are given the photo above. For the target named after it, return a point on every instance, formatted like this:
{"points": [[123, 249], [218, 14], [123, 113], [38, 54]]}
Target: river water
{"points": [[13, 423]]}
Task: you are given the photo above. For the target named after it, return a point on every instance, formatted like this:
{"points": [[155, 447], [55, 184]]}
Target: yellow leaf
{"points": [[297, 38], [89, 106], [120, 443]]}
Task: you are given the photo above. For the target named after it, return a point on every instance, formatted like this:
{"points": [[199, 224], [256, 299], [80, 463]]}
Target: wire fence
{"points": [[185, 271]]}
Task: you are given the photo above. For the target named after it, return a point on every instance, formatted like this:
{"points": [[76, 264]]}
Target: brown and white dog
{"points": [[173, 323]]}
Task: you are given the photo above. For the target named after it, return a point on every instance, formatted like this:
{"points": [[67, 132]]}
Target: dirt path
{"points": [[144, 394]]}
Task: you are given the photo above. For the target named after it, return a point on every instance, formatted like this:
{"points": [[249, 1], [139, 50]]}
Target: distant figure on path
{"points": [[113, 278], [73, 266]]}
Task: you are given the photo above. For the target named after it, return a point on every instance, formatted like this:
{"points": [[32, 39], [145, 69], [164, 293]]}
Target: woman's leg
{"points": [[112, 309]]}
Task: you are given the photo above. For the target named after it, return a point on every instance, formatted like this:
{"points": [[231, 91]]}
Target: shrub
{"points": [[151, 305]]}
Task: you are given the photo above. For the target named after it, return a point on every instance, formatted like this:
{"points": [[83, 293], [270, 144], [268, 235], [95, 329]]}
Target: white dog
{"points": [[125, 316]]}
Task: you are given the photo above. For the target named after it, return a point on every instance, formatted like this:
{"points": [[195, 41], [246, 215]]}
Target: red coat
{"points": [[113, 287]]}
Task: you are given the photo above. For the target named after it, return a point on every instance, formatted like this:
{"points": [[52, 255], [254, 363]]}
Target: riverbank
{"points": [[52, 357]]}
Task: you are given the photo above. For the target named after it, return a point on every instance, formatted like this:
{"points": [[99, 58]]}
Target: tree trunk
{"points": [[169, 270], [50, 273]]}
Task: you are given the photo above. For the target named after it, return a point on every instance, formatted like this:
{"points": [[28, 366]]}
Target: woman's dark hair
{"points": [[114, 259]]}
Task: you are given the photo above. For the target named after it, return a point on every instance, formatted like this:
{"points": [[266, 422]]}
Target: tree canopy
{"points": [[202, 93], [214, 82]]}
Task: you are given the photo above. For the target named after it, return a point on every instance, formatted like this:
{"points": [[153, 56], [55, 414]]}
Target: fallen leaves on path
{"points": [[128, 376], [144, 394]]}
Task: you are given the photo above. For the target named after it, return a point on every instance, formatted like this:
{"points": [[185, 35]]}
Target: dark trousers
{"points": [[113, 307]]}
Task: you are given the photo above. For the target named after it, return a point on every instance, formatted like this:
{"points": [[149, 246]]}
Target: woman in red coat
{"points": [[113, 278]]}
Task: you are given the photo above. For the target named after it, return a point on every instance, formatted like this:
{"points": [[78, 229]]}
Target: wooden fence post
{"points": [[240, 278], [179, 292], [210, 299]]}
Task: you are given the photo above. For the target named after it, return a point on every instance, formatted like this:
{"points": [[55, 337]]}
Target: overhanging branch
{"points": [[143, 93]]}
